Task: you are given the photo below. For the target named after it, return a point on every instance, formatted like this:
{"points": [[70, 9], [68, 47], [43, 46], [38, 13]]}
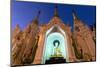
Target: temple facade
{"points": [[53, 42]]}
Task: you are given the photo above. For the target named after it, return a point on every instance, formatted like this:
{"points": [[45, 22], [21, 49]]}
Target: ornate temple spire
{"points": [[75, 18], [56, 11], [74, 15], [37, 17], [17, 28]]}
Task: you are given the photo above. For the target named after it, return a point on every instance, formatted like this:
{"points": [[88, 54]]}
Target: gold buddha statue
{"points": [[57, 51]]}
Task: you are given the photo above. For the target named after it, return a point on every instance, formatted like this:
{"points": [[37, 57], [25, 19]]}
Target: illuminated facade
{"points": [[53, 41]]}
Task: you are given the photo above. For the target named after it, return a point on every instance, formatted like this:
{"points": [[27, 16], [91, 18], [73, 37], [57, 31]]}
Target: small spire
{"points": [[56, 11], [38, 14], [17, 27], [74, 14], [37, 17]]}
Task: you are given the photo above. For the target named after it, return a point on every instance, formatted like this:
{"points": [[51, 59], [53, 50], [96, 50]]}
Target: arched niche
{"points": [[52, 34]]}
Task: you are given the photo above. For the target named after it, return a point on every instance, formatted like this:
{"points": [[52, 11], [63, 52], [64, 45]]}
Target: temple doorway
{"points": [[55, 49]]}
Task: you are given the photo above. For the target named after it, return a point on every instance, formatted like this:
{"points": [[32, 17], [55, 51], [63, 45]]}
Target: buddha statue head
{"points": [[56, 43]]}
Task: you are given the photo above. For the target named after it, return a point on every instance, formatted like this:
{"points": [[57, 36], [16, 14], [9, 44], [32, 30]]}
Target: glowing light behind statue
{"points": [[50, 48]]}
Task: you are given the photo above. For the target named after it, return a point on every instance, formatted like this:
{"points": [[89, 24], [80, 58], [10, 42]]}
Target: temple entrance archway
{"points": [[55, 47]]}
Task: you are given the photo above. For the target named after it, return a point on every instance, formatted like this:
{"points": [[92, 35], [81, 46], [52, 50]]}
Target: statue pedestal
{"points": [[55, 60]]}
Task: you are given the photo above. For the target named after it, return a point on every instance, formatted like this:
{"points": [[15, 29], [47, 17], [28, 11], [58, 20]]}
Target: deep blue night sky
{"points": [[23, 13]]}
